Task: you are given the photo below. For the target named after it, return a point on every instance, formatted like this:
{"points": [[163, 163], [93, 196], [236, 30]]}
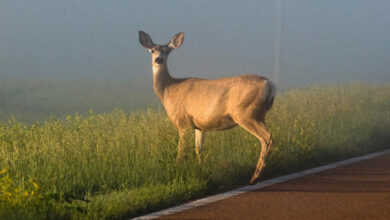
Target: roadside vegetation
{"points": [[120, 164]]}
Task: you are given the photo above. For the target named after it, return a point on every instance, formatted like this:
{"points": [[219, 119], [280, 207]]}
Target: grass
{"points": [[120, 165]]}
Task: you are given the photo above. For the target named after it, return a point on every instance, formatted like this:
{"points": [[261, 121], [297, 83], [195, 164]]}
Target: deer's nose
{"points": [[159, 60]]}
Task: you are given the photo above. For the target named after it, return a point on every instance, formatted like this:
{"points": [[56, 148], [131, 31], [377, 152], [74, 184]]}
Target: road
{"points": [[356, 191]]}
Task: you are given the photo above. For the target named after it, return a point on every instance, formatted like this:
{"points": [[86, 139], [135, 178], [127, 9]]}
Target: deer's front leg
{"points": [[199, 139], [182, 144]]}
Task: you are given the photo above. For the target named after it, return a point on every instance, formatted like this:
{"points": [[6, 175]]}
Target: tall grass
{"points": [[118, 165]]}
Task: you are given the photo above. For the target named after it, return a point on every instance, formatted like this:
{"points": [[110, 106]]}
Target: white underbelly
{"points": [[220, 123]]}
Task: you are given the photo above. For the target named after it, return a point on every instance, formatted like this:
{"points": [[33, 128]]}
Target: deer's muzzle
{"points": [[159, 60]]}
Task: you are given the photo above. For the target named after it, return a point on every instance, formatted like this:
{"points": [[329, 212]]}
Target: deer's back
{"points": [[211, 104]]}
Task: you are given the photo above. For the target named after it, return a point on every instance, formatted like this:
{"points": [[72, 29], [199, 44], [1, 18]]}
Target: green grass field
{"points": [[119, 165]]}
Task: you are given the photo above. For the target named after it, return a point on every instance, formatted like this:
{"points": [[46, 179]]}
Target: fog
{"points": [[321, 41]]}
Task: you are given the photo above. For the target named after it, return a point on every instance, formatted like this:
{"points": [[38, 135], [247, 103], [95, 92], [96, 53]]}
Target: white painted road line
{"points": [[249, 188]]}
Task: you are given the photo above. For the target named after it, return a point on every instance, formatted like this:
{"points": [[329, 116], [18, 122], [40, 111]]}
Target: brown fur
{"points": [[205, 105]]}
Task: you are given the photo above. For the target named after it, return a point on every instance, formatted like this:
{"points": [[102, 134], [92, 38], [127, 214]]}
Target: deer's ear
{"points": [[145, 40], [176, 40]]}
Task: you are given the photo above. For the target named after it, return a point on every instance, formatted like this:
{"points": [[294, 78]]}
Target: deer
{"points": [[211, 104]]}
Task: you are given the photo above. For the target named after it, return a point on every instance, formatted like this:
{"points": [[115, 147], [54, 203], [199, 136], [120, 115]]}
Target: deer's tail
{"points": [[270, 92]]}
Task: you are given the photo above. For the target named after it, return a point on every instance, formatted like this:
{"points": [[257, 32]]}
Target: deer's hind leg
{"points": [[257, 128]]}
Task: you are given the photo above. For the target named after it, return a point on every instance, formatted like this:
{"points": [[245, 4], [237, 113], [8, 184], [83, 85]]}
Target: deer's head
{"points": [[160, 52]]}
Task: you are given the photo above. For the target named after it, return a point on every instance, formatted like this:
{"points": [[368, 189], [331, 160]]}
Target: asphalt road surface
{"points": [[357, 191]]}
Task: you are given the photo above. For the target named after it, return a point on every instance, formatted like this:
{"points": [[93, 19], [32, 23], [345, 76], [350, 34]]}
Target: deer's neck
{"points": [[161, 79]]}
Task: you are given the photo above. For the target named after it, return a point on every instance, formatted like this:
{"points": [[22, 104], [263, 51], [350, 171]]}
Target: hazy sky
{"points": [[322, 40]]}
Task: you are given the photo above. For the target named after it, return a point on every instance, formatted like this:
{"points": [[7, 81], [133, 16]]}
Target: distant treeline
{"points": [[32, 99], [38, 99]]}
